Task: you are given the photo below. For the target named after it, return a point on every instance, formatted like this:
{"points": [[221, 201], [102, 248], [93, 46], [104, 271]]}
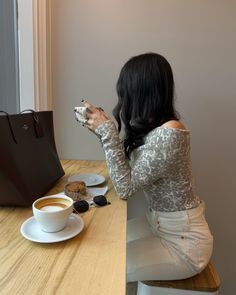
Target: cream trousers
{"points": [[168, 245]]}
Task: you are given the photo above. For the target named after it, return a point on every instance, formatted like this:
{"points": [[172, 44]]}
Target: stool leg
{"points": [[150, 290]]}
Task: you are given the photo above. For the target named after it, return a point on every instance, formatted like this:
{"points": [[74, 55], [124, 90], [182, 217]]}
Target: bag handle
{"points": [[10, 125], [37, 124]]}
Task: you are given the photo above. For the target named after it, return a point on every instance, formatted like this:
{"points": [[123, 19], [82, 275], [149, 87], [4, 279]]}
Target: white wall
{"points": [[92, 40]]}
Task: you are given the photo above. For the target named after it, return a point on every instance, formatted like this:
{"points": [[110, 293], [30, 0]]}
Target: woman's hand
{"points": [[95, 116]]}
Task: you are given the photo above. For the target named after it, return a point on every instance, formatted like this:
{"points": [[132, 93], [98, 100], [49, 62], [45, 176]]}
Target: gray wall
{"points": [[9, 79], [92, 40]]}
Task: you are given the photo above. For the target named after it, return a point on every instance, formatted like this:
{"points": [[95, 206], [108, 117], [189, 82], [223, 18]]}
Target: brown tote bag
{"points": [[29, 163]]}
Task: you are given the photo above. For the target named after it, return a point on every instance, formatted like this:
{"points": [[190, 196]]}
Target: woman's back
{"points": [[167, 153]]}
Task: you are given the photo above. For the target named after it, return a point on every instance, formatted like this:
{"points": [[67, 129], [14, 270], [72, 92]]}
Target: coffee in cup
{"points": [[52, 212]]}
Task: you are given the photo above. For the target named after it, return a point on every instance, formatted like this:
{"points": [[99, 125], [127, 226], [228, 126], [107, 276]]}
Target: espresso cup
{"points": [[52, 212], [80, 114]]}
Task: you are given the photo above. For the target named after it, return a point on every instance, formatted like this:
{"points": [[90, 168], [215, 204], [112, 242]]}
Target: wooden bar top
{"points": [[92, 263]]}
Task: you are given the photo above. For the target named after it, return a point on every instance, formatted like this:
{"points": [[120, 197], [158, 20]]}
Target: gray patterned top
{"points": [[161, 167]]}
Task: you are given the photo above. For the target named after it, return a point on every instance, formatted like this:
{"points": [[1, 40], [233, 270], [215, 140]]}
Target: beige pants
{"points": [[168, 245]]}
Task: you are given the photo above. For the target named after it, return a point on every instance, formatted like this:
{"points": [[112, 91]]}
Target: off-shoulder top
{"points": [[161, 167]]}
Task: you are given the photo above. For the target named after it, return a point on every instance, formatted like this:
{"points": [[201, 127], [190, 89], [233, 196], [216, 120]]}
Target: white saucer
{"points": [[31, 230], [89, 179]]}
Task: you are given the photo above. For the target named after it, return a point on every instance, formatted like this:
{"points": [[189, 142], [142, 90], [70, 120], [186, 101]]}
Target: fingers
{"points": [[88, 125], [93, 116], [90, 108]]}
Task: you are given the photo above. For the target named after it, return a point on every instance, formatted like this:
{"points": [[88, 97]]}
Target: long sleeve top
{"points": [[161, 167]]}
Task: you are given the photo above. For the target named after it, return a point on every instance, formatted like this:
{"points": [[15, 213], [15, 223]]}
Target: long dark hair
{"points": [[145, 90]]}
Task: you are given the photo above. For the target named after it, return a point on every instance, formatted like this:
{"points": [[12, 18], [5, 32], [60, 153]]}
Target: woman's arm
{"points": [[153, 160]]}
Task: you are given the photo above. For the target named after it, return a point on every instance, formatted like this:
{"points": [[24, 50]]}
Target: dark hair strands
{"points": [[145, 90]]}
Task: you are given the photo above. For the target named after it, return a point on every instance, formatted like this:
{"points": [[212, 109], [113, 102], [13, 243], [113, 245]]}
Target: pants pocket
{"points": [[197, 252]]}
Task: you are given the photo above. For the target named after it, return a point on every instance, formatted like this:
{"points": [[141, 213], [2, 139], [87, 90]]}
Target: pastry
{"points": [[76, 190]]}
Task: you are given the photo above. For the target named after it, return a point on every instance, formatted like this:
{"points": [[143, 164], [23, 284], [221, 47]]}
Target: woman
{"points": [[172, 241]]}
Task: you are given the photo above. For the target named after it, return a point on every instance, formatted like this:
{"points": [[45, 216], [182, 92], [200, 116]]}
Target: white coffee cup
{"points": [[52, 212], [80, 114]]}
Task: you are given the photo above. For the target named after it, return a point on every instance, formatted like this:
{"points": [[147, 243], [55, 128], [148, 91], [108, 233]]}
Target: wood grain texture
{"points": [[208, 280], [92, 263]]}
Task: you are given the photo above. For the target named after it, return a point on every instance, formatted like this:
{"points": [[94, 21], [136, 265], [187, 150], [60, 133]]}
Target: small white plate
{"points": [[31, 230], [89, 179]]}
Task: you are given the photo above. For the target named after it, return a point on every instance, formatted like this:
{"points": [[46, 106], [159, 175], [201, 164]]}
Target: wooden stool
{"points": [[206, 282]]}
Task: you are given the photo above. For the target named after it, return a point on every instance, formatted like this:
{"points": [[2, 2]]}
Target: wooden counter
{"points": [[91, 263]]}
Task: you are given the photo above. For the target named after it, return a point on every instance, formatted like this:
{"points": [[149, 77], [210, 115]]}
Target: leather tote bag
{"points": [[29, 163]]}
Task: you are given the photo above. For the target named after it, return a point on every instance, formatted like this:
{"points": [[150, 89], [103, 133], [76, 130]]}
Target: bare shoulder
{"points": [[174, 124]]}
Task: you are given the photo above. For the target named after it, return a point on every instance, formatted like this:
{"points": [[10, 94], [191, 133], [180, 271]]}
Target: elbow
{"points": [[124, 187], [123, 197], [124, 194]]}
